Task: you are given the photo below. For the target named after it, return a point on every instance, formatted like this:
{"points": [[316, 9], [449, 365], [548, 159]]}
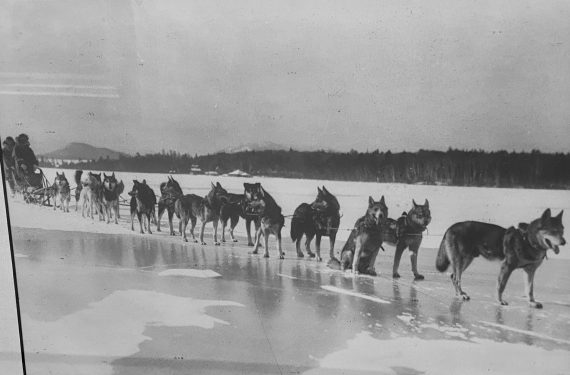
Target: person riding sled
{"points": [[8, 161], [24, 157]]}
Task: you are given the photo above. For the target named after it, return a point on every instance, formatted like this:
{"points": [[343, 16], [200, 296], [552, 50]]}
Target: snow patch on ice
{"points": [[529, 333], [189, 272], [441, 357], [114, 326], [331, 288], [18, 255]]}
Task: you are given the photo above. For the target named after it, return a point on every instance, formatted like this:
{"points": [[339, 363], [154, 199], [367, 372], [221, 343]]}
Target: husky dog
{"points": [[320, 218], [91, 194], [78, 188], [110, 192], [365, 240], [523, 247], [251, 204], [192, 206], [142, 203], [271, 222], [61, 192], [170, 191], [406, 232]]}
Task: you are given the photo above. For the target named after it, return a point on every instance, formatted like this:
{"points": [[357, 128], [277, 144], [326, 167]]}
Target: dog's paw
{"points": [[372, 272], [465, 297], [396, 275], [266, 255], [282, 256], [503, 303], [300, 255], [536, 305], [235, 240], [254, 252], [216, 244], [203, 243], [418, 277], [250, 244], [319, 259], [311, 255]]}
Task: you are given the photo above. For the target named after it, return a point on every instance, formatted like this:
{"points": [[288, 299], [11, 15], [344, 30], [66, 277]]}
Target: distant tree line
{"points": [[453, 167]]}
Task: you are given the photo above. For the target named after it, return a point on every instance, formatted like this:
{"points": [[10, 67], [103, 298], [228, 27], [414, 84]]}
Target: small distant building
{"points": [[195, 169], [239, 173], [211, 173]]}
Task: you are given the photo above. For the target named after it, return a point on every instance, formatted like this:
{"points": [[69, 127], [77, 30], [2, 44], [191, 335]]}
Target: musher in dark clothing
{"points": [[24, 156], [8, 161]]}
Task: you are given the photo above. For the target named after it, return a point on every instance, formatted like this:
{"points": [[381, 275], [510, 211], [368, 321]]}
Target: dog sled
{"points": [[34, 187]]}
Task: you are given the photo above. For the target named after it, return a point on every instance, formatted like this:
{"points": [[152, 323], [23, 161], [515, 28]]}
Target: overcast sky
{"points": [[200, 76]]}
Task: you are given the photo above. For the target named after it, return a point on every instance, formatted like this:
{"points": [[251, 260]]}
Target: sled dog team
{"points": [[522, 247]]}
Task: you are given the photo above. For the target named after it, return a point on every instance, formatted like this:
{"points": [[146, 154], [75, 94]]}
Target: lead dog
{"points": [[523, 247]]}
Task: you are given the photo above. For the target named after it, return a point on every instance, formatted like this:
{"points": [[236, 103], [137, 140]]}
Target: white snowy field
{"points": [[448, 204]]}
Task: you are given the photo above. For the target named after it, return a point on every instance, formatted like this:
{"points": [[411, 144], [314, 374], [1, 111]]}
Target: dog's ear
{"points": [[382, 201], [325, 190], [319, 191], [218, 184], [559, 216], [113, 175], [370, 201], [426, 203], [414, 202], [546, 215], [213, 186]]}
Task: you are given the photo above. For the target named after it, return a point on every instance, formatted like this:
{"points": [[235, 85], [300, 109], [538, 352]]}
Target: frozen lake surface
{"points": [[97, 298]]}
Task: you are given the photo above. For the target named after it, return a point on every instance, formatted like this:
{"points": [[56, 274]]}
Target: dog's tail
{"points": [[334, 264], [442, 260], [300, 218], [78, 175]]}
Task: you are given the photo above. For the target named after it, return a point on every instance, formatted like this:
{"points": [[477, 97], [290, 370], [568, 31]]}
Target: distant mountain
{"points": [[255, 147], [83, 151]]}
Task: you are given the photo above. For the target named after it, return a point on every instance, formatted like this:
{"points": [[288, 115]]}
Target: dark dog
{"points": [[143, 202], [524, 247], [110, 192], [365, 240], [192, 206], [271, 222], [320, 218], [61, 192], [250, 206], [406, 232], [170, 191], [78, 187], [230, 210]]}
